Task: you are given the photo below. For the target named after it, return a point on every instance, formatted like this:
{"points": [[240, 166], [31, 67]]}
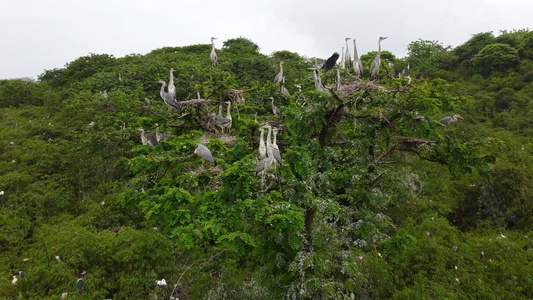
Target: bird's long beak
{"points": [[461, 117]]}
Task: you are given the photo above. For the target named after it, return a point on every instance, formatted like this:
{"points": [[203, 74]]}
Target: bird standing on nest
{"points": [[214, 58], [148, 138], [204, 153]]}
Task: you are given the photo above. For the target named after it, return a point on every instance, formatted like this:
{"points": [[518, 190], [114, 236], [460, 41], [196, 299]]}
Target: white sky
{"points": [[38, 35]]}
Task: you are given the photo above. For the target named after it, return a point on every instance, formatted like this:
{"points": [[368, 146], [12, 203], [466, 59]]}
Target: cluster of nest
{"points": [[229, 141], [235, 96], [410, 143], [349, 89]]}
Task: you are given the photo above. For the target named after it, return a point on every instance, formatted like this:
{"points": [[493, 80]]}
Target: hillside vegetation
{"points": [[375, 199]]}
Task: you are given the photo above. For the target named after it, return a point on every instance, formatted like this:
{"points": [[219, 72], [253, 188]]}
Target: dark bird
{"points": [[79, 284], [482, 255], [21, 275], [330, 62], [204, 153]]}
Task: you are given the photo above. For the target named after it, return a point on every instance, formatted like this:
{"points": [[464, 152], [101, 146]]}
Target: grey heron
{"points": [[148, 138], [282, 87], [220, 121], [376, 63], [343, 65], [265, 164], [348, 58], [228, 114], [79, 285], [318, 81], [278, 77], [214, 58], [160, 137], [204, 153], [338, 83], [275, 150], [171, 86], [275, 109], [168, 98], [262, 146], [357, 64], [449, 120], [330, 62]]}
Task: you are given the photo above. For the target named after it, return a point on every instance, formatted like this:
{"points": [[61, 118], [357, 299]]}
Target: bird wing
{"points": [[222, 121], [151, 139], [375, 66], [445, 120], [204, 153], [261, 166], [277, 156], [277, 78]]}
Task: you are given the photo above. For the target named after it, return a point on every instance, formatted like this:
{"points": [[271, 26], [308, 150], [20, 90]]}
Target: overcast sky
{"points": [[39, 35]]}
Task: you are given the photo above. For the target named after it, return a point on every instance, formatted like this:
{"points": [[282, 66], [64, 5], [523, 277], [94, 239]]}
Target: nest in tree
{"points": [[208, 123], [229, 140], [194, 102], [411, 143], [349, 89], [235, 96]]}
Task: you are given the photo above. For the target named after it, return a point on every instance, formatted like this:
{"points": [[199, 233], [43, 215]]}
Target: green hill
{"points": [[375, 198]]}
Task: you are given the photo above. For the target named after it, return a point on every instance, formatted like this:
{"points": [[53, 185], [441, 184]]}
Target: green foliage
{"points": [[373, 195], [496, 58]]}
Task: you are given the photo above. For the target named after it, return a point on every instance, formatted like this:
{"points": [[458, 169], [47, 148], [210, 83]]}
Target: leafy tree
{"points": [[426, 57], [468, 50], [496, 57]]}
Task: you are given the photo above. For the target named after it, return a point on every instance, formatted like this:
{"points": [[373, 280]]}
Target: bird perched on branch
{"points": [[171, 86], [347, 57], [169, 99], [449, 120], [214, 58], [376, 63], [279, 76], [357, 64]]}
